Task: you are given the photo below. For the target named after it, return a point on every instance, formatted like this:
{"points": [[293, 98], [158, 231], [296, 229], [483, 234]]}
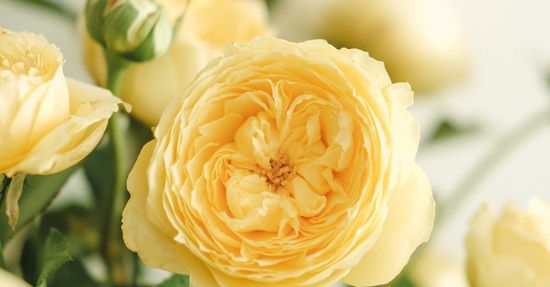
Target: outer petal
{"points": [[507, 250], [437, 268], [228, 281], [9, 280], [501, 271], [164, 78], [409, 223], [70, 142], [154, 247]]}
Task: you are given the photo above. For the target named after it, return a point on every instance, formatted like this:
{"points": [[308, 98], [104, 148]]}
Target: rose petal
{"points": [[154, 247], [406, 226]]}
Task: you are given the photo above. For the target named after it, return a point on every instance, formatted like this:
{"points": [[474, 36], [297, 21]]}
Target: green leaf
{"points": [[404, 281], [3, 180], [38, 192], [270, 3], [79, 225], [99, 167], [54, 253], [100, 172], [2, 263], [447, 129], [175, 281], [30, 256]]}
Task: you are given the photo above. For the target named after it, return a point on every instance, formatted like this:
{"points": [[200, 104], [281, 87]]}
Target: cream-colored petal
{"points": [[154, 247], [479, 240], [502, 271], [228, 281], [71, 141], [408, 224], [151, 86], [9, 280]]}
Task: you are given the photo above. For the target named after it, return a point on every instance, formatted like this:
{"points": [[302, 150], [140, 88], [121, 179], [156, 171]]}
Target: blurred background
{"points": [[479, 69]]}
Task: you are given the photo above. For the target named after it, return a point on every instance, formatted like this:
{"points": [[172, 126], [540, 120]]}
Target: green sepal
{"points": [[13, 194], [38, 192], [150, 47], [93, 14]]}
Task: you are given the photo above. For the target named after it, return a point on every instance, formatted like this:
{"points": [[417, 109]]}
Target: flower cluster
{"points": [[270, 163]]}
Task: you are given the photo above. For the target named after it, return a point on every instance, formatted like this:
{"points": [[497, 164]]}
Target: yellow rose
{"points": [[207, 26], [512, 250], [282, 164], [419, 41], [9, 280], [47, 122]]}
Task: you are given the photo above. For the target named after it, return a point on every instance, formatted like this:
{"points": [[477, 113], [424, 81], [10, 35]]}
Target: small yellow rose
{"points": [[207, 26], [282, 164], [419, 41], [9, 280], [47, 122], [512, 250]]}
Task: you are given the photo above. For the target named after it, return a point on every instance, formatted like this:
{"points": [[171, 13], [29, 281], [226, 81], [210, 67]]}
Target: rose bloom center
{"points": [[271, 175]]}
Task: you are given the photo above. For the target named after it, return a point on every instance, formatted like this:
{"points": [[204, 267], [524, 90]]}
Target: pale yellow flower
{"points": [[47, 122], [511, 250], [207, 26], [9, 280], [282, 164], [419, 41]]}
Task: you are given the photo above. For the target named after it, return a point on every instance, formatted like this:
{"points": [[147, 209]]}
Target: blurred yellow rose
{"points": [[282, 164], [438, 269], [9, 280], [207, 26], [47, 122], [419, 41], [512, 250]]}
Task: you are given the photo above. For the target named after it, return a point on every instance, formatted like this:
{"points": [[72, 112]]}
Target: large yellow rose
{"points": [[47, 122], [9, 280], [207, 26], [512, 250], [420, 41], [282, 164]]}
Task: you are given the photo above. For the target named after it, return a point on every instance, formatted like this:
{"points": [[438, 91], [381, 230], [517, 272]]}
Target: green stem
{"points": [[502, 147], [116, 67], [3, 183]]}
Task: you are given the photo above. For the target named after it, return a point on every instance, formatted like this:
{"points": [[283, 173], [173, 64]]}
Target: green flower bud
{"points": [[137, 30], [94, 19]]}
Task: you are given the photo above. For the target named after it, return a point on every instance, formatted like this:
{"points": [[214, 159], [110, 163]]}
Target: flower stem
{"points": [[116, 67], [3, 183], [503, 146]]}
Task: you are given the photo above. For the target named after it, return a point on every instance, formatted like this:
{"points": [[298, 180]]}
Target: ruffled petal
{"points": [[156, 248], [408, 224], [71, 141]]}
